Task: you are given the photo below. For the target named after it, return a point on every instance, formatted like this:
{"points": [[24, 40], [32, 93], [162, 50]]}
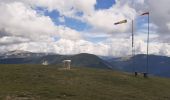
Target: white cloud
{"points": [[62, 46], [111, 47], [103, 20], [164, 50], [20, 20], [23, 28], [65, 7], [12, 40], [168, 24], [159, 13], [68, 33]]}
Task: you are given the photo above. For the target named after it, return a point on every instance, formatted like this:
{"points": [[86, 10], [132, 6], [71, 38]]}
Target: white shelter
{"points": [[45, 63], [67, 64]]}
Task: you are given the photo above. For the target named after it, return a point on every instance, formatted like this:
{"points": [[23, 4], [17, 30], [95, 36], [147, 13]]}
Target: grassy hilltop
{"points": [[37, 82]]}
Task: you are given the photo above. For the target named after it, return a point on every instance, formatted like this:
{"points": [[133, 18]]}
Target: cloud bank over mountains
{"points": [[22, 27]]}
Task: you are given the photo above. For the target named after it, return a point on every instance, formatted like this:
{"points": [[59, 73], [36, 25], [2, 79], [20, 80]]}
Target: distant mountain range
{"points": [[158, 65], [24, 57]]}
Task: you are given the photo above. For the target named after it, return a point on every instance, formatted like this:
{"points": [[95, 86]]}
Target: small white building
{"points": [[67, 64], [45, 63]]}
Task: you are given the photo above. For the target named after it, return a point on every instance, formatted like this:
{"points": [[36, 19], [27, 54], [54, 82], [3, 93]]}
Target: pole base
{"points": [[145, 75], [136, 74]]}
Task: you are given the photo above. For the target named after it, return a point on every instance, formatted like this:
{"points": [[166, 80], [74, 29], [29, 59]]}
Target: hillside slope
{"points": [[37, 82]]}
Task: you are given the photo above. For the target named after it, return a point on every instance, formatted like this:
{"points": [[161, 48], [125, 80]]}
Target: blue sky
{"points": [[76, 24], [104, 4]]}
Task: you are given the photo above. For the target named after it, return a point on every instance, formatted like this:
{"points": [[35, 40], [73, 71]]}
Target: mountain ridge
{"points": [[158, 65], [81, 60]]}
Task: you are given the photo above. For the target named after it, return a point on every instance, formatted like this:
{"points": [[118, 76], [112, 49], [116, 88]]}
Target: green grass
{"points": [[36, 82]]}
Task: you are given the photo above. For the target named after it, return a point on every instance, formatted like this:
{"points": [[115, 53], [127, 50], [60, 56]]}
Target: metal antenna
{"points": [[132, 48], [147, 69]]}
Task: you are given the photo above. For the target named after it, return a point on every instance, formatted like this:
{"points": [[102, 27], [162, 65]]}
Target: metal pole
{"points": [[132, 49], [148, 46]]}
